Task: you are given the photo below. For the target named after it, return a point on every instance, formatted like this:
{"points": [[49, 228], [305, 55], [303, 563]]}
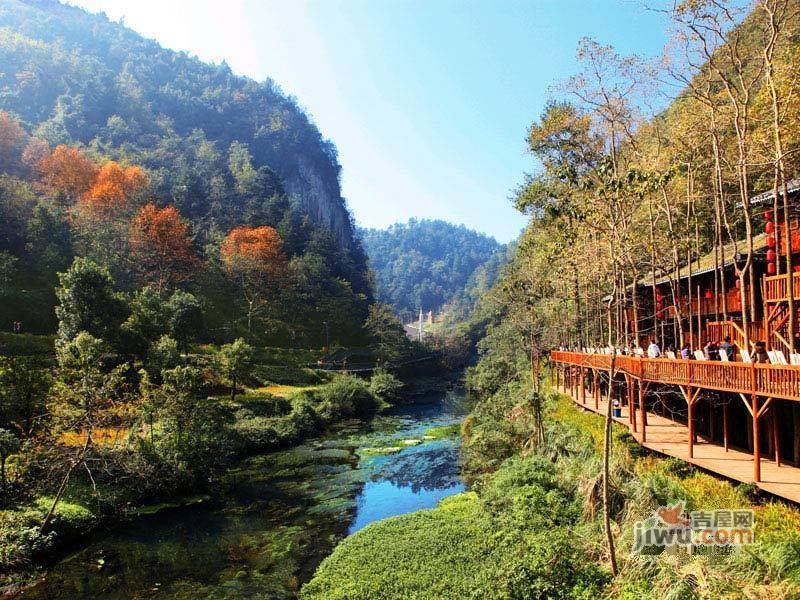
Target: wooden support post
{"points": [[597, 395], [575, 383], [643, 412], [634, 383], [775, 433], [711, 421], [795, 432], [631, 415], [725, 425], [756, 445], [583, 385], [690, 420]]}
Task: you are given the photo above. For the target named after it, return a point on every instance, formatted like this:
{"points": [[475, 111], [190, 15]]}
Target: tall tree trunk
{"points": [[606, 471]]}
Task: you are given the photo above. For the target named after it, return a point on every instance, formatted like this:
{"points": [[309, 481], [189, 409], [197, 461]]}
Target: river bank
{"points": [[274, 516], [531, 525]]}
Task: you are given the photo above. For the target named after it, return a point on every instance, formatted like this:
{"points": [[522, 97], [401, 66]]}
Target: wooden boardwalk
{"points": [[672, 439]]}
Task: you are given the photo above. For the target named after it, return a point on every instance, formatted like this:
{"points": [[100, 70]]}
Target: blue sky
{"points": [[428, 101]]}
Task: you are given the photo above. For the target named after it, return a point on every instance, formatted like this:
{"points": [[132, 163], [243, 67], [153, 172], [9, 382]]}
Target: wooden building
{"points": [[702, 300], [738, 417]]}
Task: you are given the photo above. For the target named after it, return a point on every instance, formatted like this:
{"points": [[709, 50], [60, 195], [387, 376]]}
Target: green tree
{"points": [[88, 302], [9, 444], [82, 400], [389, 339], [235, 362], [24, 385], [185, 318], [193, 423], [163, 355]]}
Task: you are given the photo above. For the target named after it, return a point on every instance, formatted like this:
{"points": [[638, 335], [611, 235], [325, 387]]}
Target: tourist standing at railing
{"points": [[727, 348], [686, 352], [711, 351], [760, 355], [653, 350]]}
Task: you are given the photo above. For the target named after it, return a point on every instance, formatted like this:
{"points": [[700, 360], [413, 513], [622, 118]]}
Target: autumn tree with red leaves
{"points": [[114, 187], [254, 257], [68, 170], [161, 247]]}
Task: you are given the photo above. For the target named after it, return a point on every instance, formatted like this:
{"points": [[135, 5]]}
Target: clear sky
{"points": [[428, 101]]}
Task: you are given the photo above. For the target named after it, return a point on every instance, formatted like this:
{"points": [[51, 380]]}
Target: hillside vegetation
{"points": [[425, 264], [88, 103]]}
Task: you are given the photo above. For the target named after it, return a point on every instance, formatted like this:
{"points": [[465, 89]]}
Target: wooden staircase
{"points": [[719, 330]]}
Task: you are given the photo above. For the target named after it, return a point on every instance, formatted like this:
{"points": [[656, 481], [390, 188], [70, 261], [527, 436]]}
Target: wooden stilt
{"points": [[631, 414], [725, 425], [634, 384], [756, 445], [690, 421], [643, 412], [795, 432], [583, 385], [775, 433], [711, 421]]}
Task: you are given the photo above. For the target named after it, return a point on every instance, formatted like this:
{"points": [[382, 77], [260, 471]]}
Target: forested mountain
{"points": [[222, 151], [425, 263]]}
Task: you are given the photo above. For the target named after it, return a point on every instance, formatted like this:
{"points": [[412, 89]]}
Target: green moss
{"points": [[445, 431]]}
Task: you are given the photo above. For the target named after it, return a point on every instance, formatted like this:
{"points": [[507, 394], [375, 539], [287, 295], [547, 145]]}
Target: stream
{"points": [[279, 515]]}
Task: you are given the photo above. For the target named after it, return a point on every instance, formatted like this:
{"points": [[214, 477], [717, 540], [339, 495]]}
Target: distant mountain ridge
{"points": [[425, 263]]}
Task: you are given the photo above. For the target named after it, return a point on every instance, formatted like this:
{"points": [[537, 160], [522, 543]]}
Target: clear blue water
{"points": [[276, 518]]}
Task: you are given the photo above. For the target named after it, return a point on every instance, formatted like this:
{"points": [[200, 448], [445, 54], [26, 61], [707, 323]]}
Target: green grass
{"points": [[26, 344], [438, 553]]}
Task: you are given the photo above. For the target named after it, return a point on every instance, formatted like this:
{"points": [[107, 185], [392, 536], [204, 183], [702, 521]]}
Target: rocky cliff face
{"points": [[321, 200]]}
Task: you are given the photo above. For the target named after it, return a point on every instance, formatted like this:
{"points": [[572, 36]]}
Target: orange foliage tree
{"points": [[68, 170], [114, 186], [12, 136], [254, 256], [161, 247]]}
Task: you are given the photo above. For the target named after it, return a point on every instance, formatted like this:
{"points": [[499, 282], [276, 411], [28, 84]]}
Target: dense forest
{"points": [[424, 264], [211, 159]]}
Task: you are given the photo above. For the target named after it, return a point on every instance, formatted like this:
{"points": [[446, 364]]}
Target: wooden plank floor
{"points": [[671, 438]]}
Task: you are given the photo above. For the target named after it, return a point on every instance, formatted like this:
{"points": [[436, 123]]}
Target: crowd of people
{"points": [[725, 351]]}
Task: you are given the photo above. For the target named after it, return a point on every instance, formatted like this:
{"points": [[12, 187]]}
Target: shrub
{"points": [[385, 386], [346, 396]]}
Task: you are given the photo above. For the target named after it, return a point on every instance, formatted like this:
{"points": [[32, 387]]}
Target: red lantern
{"points": [[796, 268], [771, 268], [709, 295], [770, 227], [771, 255], [768, 215], [661, 314], [771, 242], [738, 283], [658, 294]]}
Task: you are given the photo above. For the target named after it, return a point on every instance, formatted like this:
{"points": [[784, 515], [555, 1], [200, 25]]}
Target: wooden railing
{"points": [[719, 330], [776, 381], [776, 289]]}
